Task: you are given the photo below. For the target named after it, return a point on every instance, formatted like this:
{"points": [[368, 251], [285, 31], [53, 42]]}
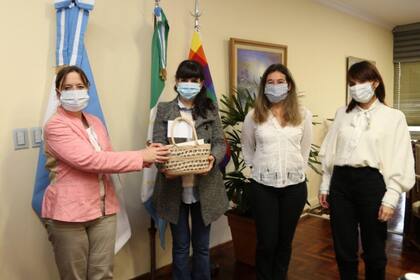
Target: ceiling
{"points": [[386, 13]]}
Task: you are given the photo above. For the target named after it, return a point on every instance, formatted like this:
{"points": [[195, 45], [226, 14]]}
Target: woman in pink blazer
{"points": [[80, 204]]}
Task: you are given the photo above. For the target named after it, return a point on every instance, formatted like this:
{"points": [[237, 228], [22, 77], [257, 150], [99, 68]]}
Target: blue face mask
{"points": [[188, 90], [276, 93]]}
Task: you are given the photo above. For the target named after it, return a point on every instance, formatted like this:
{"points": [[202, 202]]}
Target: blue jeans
{"points": [[200, 239]]}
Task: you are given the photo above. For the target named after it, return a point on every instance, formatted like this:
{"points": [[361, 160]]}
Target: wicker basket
{"points": [[187, 159]]}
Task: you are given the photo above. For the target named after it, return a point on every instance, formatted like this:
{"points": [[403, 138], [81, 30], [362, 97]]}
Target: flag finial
{"points": [[196, 14]]}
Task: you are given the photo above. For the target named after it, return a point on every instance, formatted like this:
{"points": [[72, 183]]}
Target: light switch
{"points": [[36, 136], [20, 138], [20, 135]]}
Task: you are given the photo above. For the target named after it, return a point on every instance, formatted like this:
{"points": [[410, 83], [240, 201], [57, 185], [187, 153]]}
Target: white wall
{"points": [[118, 42]]}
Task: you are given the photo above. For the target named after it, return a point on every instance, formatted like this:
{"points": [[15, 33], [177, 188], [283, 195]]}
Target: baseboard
{"points": [[166, 270], [314, 202]]}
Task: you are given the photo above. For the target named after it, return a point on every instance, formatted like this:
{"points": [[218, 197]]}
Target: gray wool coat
{"points": [[167, 195]]}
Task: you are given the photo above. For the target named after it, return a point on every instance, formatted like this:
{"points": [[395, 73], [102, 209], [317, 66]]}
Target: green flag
{"points": [[158, 77], [159, 44]]}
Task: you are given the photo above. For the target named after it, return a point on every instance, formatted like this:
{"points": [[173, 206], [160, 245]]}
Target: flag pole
{"points": [[152, 228], [196, 14], [152, 239], [214, 267]]}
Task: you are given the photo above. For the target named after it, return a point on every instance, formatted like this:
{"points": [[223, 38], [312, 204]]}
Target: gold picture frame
{"points": [[248, 60]]}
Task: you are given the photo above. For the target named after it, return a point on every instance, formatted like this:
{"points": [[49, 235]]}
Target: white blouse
{"points": [[377, 137], [277, 155], [189, 191]]}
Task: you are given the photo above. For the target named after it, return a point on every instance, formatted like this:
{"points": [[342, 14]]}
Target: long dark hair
{"points": [[62, 74], [362, 72], [291, 114], [192, 69]]}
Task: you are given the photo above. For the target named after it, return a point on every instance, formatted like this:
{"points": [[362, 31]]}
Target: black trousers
{"points": [[277, 211], [355, 198]]}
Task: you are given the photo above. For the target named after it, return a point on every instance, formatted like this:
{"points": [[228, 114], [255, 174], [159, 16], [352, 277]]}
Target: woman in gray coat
{"points": [[201, 196]]}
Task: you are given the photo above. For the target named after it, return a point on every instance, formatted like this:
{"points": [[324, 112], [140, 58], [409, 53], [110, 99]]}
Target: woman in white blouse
{"points": [[367, 163], [276, 140]]}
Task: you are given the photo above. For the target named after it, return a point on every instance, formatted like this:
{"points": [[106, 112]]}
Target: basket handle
{"points": [[180, 119]]}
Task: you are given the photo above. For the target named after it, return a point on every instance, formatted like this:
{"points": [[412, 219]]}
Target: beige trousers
{"points": [[84, 251]]}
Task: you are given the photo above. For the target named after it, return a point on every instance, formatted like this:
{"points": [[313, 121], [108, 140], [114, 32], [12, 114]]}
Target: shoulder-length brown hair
{"points": [[292, 114], [362, 72]]}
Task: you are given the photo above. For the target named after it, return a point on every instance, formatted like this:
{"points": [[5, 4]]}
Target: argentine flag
{"points": [[72, 19]]}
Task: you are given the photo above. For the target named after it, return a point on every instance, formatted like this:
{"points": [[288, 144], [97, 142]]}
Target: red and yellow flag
{"points": [[197, 54]]}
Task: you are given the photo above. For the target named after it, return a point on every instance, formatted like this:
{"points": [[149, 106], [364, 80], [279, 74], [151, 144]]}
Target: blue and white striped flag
{"points": [[72, 19]]}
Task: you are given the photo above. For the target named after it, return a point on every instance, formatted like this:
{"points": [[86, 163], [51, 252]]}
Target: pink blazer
{"points": [[73, 193]]}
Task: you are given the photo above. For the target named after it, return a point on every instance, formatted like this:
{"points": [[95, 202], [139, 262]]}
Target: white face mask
{"points": [[74, 100], [276, 93], [362, 93]]}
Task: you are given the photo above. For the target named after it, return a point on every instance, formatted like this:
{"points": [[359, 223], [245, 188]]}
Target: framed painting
{"points": [[248, 61], [350, 61]]}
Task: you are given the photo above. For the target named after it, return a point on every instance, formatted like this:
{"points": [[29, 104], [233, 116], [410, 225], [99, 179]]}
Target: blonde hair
{"points": [[292, 113]]}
